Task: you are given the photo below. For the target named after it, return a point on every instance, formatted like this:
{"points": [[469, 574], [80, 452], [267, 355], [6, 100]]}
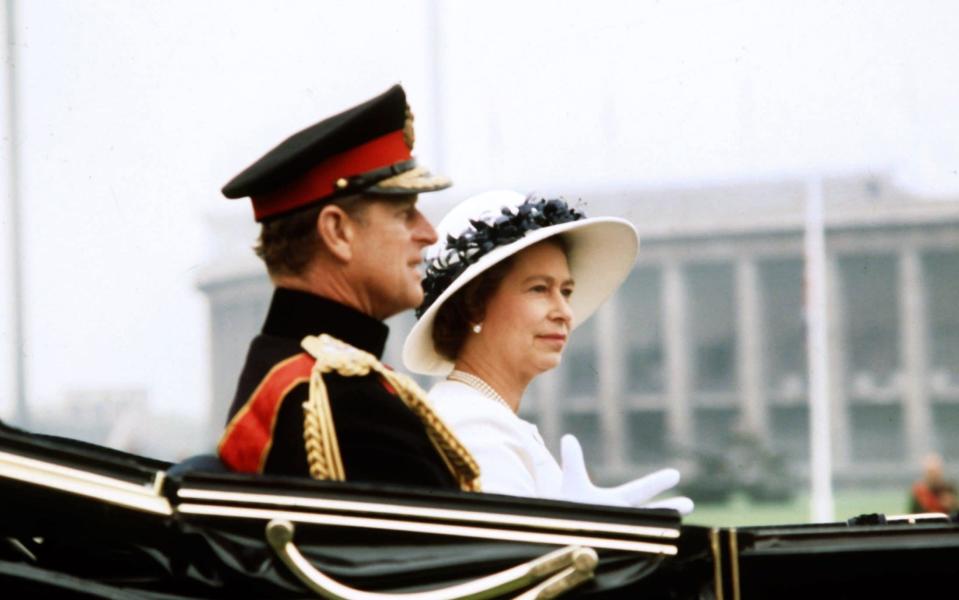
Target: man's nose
{"points": [[424, 232]]}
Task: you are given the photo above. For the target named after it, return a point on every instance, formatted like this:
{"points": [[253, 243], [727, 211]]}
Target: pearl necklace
{"points": [[479, 385]]}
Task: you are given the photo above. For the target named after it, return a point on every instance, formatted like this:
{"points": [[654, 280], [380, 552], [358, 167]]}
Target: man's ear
{"points": [[336, 229]]}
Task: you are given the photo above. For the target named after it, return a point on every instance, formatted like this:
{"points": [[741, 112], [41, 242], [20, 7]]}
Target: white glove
{"points": [[578, 488]]}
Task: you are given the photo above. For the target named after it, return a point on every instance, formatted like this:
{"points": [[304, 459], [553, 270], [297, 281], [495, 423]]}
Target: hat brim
{"points": [[602, 251], [416, 180]]}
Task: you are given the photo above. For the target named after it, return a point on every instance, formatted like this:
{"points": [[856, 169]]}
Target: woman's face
{"points": [[528, 318]]}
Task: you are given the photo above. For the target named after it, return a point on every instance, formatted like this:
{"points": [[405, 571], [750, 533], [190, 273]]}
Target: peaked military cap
{"points": [[365, 149]]}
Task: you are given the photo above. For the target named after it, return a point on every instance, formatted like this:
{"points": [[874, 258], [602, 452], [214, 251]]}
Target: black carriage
{"points": [[83, 521]]}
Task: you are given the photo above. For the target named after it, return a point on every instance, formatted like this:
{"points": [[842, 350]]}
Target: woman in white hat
{"points": [[508, 281]]}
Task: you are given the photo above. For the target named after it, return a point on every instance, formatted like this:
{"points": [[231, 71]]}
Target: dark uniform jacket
{"points": [[380, 439]]}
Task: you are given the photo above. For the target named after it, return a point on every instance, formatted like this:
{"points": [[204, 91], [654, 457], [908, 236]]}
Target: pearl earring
{"points": [[477, 328]]}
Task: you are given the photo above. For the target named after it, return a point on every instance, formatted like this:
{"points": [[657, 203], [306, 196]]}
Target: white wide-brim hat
{"points": [[602, 251]]}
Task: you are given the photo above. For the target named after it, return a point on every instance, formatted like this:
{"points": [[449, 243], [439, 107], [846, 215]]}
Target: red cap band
{"points": [[320, 181]]}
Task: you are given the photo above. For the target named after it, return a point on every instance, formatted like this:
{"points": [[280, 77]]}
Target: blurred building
{"points": [[120, 418], [95, 415], [707, 336]]}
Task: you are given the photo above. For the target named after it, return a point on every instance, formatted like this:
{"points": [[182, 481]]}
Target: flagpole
{"points": [[821, 501], [435, 36], [21, 415]]}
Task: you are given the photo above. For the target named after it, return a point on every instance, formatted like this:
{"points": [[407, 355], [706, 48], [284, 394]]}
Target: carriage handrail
{"points": [[566, 568]]}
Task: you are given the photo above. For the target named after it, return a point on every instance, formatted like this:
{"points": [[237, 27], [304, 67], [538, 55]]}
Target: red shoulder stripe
{"points": [[386, 384], [249, 434]]}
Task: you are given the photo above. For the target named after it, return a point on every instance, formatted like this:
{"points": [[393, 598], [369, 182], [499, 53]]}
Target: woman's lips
{"points": [[557, 338]]}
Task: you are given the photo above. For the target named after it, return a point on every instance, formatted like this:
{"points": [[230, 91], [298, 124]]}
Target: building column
{"points": [[913, 356], [610, 364], [836, 311], [749, 357], [676, 344]]}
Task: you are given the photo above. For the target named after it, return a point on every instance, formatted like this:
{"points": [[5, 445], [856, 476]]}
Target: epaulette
{"points": [[248, 438], [322, 447]]}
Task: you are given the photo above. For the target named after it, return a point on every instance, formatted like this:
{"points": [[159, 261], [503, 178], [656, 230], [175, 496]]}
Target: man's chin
{"points": [[415, 296]]}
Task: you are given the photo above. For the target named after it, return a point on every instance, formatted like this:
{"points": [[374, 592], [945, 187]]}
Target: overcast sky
{"points": [[134, 114]]}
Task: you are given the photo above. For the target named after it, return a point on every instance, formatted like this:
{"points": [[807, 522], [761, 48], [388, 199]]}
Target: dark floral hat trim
{"points": [[482, 238]]}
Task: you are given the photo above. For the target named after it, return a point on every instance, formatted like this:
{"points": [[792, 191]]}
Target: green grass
{"points": [[740, 512]]}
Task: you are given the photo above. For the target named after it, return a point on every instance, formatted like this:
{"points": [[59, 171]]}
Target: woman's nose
{"points": [[562, 310]]}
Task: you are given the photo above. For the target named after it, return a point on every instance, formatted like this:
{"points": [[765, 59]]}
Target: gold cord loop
{"points": [[322, 447]]}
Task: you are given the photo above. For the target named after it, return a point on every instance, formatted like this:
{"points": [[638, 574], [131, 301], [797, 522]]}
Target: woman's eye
{"points": [[538, 288], [568, 292]]}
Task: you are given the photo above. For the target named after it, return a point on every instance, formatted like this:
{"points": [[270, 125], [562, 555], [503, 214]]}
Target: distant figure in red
{"points": [[932, 493]]}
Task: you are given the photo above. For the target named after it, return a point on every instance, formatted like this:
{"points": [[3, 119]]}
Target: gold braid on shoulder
{"points": [[319, 434]]}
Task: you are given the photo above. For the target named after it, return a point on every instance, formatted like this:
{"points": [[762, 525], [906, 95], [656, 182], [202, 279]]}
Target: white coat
{"points": [[512, 456]]}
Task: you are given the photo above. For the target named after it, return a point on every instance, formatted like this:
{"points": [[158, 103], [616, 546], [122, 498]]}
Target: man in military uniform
{"points": [[342, 240]]}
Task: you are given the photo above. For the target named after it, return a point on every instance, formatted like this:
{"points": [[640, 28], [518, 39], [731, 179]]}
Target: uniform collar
{"points": [[295, 314]]}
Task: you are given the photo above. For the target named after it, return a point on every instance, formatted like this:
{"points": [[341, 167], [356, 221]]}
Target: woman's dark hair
{"points": [[467, 306], [464, 308]]}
